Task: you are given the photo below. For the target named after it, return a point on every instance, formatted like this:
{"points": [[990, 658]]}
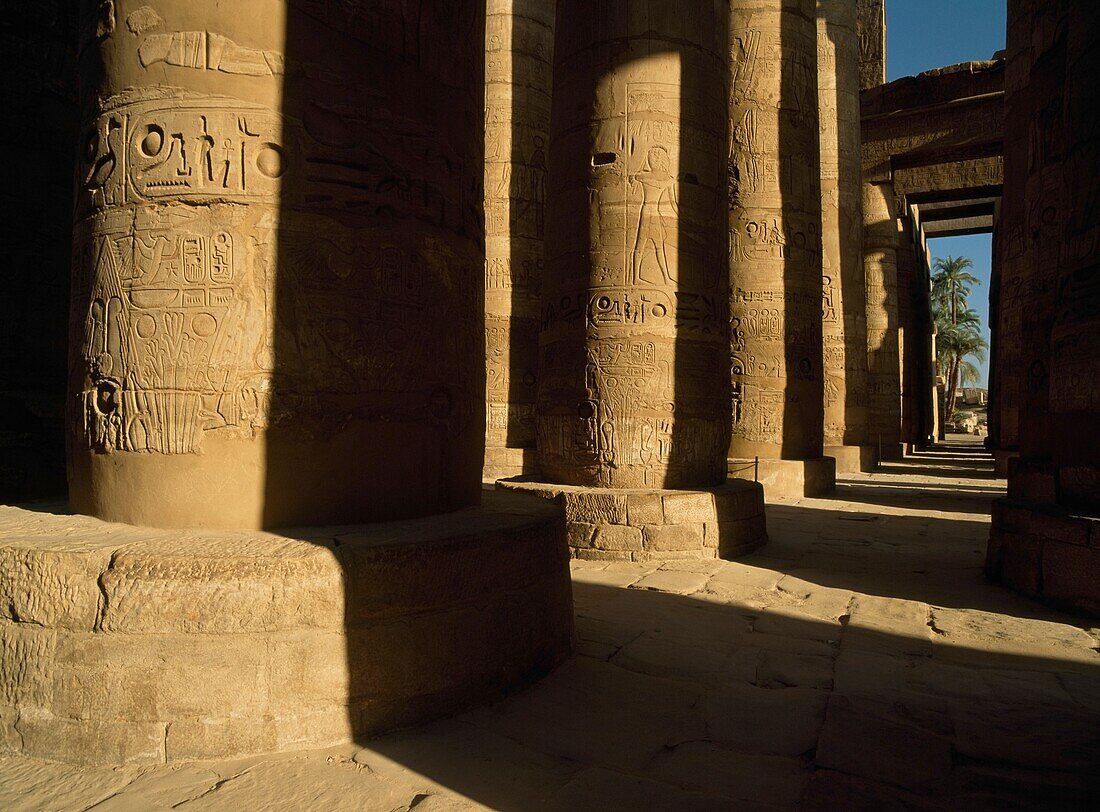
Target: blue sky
{"points": [[924, 34]]}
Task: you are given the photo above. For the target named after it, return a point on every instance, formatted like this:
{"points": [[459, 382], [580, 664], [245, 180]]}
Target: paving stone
{"points": [[596, 790], [760, 720], [29, 785], [889, 625], [678, 582], [732, 774], [864, 744]]}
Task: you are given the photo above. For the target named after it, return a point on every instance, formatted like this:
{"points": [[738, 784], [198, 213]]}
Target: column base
{"points": [[1001, 461], [725, 522], [789, 479], [126, 645], [502, 463], [852, 459], [1047, 553]]}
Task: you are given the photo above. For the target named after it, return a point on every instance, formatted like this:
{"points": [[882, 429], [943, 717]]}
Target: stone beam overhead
{"points": [[959, 227], [960, 129], [934, 87], [946, 180]]}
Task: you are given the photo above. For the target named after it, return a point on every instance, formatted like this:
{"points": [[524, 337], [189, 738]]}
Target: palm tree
{"points": [[954, 344], [951, 284], [958, 327]]}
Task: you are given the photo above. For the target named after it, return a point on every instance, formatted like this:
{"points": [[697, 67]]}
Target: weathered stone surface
{"points": [[645, 508], [642, 525], [253, 254], [667, 537], [617, 537], [775, 232], [594, 507], [519, 44], [633, 391], [267, 643]]}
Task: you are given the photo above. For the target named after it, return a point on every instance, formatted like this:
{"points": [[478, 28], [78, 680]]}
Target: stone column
{"points": [[1044, 536], [38, 91], [519, 41], [880, 265], [844, 320], [871, 29], [633, 403], [634, 322], [775, 245], [277, 312], [1011, 252]]}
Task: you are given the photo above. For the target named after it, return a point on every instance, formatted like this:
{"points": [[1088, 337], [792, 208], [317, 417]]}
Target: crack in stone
{"points": [[213, 788], [931, 623]]}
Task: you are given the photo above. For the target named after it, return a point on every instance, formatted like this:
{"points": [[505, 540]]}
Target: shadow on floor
{"points": [[796, 697]]}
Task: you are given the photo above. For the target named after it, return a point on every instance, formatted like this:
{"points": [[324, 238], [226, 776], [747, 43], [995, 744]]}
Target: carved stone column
{"points": [[276, 296], [633, 405], [871, 29], [881, 243], [277, 318], [634, 322], [844, 320], [1044, 537], [519, 42], [775, 245]]}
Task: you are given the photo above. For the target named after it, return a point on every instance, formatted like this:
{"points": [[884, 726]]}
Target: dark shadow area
{"points": [[853, 286], [38, 45], [720, 700], [519, 63], [950, 498], [702, 400], [377, 401], [797, 152], [376, 407]]}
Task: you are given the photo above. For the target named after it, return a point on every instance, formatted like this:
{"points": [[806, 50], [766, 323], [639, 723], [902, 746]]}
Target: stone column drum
{"points": [[843, 316], [277, 317], [775, 246], [634, 307], [276, 313], [519, 44], [880, 265], [633, 405]]}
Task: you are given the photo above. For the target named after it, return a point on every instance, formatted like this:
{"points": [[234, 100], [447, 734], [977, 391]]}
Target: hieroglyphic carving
{"points": [[165, 298], [519, 45], [634, 314], [775, 231], [843, 289]]}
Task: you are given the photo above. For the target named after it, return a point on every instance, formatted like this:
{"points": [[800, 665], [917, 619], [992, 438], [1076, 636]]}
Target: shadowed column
{"points": [[632, 391], [844, 320], [278, 249], [881, 240], [775, 245], [518, 71]]}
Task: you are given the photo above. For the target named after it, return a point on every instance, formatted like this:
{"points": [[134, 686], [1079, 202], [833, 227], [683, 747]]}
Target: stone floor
{"points": [[857, 661]]}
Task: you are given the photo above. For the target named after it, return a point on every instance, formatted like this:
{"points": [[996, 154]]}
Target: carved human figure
{"points": [[658, 186]]}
